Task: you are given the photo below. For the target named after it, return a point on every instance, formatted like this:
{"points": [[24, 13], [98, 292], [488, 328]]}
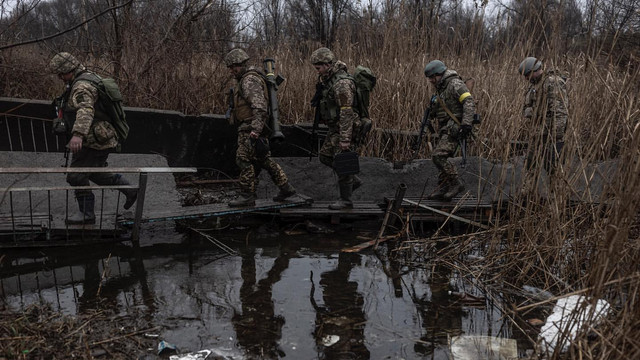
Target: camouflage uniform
{"points": [[251, 113], [451, 91], [81, 107], [335, 106], [545, 107]]}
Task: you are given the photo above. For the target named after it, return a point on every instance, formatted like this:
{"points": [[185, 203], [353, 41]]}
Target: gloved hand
{"points": [[465, 131]]}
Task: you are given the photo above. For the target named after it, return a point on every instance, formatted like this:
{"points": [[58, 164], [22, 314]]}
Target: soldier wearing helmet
{"points": [[251, 114], [334, 98], [92, 136], [545, 107], [452, 111]]}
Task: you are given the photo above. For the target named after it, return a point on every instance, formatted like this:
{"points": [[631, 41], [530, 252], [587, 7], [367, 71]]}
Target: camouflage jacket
{"points": [[455, 95], [338, 94], [80, 110], [251, 106], [546, 105]]}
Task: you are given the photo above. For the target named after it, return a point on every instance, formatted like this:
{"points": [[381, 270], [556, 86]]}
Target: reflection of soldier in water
{"points": [[441, 314], [342, 313], [258, 329]]}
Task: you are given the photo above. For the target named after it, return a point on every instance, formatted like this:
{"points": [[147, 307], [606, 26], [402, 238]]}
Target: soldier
{"points": [[335, 94], [251, 114], [93, 136], [545, 106], [453, 109]]}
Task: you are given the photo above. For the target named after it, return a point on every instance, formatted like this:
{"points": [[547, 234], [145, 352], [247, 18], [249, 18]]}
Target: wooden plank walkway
{"points": [[217, 210]]}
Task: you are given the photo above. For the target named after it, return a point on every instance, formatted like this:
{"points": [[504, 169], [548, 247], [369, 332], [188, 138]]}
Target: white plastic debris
{"points": [[468, 347], [199, 355], [569, 316], [330, 340]]}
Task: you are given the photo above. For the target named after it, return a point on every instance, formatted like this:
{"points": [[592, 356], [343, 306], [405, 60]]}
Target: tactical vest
{"points": [[329, 109], [69, 115], [241, 107], [450, 100]]}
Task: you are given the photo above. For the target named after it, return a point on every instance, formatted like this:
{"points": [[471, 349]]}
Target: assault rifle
{"points": [[227, 115], [273, 82], [315, 102], [60, 127], [426, 124]]}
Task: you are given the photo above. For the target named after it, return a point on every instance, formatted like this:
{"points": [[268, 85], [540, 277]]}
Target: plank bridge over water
{"points": [[25, 225]]}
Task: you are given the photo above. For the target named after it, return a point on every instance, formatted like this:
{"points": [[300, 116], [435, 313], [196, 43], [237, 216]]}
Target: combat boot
{"points": [[85, 213], [130, 194], [286, 190], [357, 183], [442, 188], [345, 198], [455, 187], [245, 199]]}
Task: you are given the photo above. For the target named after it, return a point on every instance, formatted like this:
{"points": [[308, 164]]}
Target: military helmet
{"points": [[63, 63], [529, 65], [235, 57], [322, 56], [435, 67]]}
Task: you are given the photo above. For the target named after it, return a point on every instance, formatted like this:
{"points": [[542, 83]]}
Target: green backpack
{"points": [[111, 100], [365, 81]]}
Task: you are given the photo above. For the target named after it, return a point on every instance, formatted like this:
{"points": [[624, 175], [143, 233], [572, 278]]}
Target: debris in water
{"points": [[330, 340], [465, 347], [165, 348], [569, 316]]}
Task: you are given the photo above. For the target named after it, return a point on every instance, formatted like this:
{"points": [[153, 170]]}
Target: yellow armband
{"points": [[464, 96], [345, 107]]}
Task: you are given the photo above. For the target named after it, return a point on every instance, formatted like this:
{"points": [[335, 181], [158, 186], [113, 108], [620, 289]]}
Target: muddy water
{"points": [[294, 297]]}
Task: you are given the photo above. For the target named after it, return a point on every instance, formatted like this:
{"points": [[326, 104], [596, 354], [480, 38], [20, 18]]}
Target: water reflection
{"points": [[258, 329], [299, 298], [340, 321], [441, 316]]}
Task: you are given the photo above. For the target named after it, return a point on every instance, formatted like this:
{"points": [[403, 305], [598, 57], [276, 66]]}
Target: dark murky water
{"points": [[294, 297]]}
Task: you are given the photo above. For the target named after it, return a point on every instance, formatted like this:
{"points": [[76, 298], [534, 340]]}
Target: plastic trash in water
{"points": [[467, 347], [166, 348], [570, 315], [198, 355], [329, 340]]}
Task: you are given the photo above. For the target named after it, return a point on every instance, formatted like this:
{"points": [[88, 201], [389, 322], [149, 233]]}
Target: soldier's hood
{"points": [[557, 72], [448, 74], [337, 66], [80, 69], [245, 71]]}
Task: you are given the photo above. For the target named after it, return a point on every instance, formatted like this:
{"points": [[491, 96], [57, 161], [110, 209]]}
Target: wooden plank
{"points": [[215, 210], [455, 217]]}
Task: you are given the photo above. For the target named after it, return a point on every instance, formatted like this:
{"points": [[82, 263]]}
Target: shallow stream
{"points": [[297, 297]]}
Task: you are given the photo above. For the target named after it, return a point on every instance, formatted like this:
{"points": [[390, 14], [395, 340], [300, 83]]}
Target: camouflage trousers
{"points": [[251, 165], [446, 147], [330, 148], [88, 157], [545, 152]]}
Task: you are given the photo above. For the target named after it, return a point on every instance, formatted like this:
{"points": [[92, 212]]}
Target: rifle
{"points": [[315, 102], [227, 115], [423, 126], [273, 82], [60, 127]]}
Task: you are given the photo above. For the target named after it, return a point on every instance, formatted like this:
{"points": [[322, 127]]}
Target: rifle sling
{"points": [[446, 109]]}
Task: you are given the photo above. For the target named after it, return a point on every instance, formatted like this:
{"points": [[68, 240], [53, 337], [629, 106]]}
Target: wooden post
{"points": [[142, 188]]}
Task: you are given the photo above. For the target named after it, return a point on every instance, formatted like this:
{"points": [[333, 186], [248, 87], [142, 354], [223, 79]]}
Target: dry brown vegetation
{"points": [[172, 60]]}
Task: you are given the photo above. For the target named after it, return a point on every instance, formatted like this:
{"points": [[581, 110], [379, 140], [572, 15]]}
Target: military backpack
{"points": [[110, 99]]}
